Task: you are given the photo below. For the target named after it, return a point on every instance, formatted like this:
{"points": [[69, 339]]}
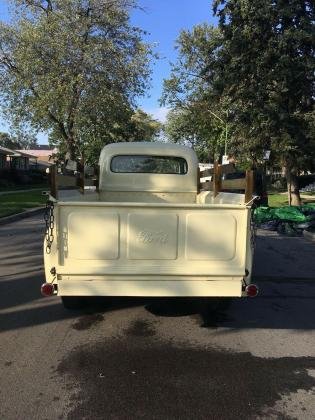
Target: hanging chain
{"points": [[49, 222]]}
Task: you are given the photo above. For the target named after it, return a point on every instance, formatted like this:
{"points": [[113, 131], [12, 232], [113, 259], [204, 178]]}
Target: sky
{"points": [[163, 19]]}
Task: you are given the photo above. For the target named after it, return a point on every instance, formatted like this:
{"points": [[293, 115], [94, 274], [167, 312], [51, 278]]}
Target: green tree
{"points": [[196, 117], [128, 125], [73, 68], [198, 128], [7, 141], [267, 62], [143, 127], [256, 68], [20, 140]]}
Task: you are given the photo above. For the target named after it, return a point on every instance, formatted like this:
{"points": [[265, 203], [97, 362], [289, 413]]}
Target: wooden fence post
{"points": [[96, 177], [249, 189], [53, 181], [198, 180], [216, 179]]}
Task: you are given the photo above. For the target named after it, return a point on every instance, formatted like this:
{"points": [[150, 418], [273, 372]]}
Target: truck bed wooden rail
{"points": [[71, 181], [218, 184]]}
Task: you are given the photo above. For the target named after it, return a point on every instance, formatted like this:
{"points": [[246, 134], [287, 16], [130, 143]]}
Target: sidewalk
{"points": [[281, 257], [22, 191], [22, 215]]}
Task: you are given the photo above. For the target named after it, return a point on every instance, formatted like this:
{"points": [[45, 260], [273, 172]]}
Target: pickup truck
{"points": [[149, 229]]}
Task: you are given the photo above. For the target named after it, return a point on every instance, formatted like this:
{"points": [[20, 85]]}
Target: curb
{"points": [[309, 235], [22, 191], [23, 215], [278, 279]]}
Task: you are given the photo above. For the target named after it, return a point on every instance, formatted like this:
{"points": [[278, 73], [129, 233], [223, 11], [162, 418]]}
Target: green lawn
{"points": [[42, 186], [18, 202], [280, 200]]}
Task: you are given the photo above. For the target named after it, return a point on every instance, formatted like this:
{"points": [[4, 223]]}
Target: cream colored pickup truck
{"points": [[148, 230]]}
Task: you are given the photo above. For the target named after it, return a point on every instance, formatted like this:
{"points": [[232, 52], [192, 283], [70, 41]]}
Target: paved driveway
{"points": [[157, 359]]}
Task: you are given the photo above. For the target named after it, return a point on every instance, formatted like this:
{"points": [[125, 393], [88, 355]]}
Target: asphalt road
{"points": [[158, 359]]}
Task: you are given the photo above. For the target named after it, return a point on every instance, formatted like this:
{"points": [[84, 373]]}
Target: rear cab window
{"points": [[146, 164]]}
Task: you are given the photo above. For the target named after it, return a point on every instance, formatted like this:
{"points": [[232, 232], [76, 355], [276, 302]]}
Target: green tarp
{"points": [[289, 214]]}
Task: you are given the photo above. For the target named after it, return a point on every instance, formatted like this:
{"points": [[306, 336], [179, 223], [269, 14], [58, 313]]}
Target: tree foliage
{"points": [[196, 117], [7, 141], [198, 128], [270, 47], [143, 127], [73, 68], [256, 68], [19, 141], [133, 126]]}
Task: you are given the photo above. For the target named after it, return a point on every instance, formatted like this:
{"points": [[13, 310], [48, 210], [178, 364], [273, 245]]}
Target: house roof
{"points": [[15, 153], [25, 154], [38, 153], [5, 151]]}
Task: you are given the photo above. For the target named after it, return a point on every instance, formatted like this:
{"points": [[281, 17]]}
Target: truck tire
{"points": [[73, 302]]}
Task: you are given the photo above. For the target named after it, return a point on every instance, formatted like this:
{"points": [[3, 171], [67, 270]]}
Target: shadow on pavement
{"points": [[280, 305]]}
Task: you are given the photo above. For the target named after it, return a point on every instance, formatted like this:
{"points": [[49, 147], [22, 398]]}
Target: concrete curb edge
{"points": [[309, 235], [277, 279], [22, 215]]}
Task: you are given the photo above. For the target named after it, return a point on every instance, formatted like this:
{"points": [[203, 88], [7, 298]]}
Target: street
{"points": [[158, 358]]}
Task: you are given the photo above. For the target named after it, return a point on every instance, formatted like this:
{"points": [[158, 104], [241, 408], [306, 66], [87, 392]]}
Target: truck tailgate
{"points": [[162, 240]]}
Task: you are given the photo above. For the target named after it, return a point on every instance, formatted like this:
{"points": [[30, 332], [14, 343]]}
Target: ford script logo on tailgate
{"points": [[148, 237]]}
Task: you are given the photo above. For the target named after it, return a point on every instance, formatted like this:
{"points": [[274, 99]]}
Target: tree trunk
{"points": [[71, 148], [293, 188]]}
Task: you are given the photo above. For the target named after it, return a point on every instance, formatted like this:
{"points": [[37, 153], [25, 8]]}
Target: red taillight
{"points": [[47, 289], [251, 290]]}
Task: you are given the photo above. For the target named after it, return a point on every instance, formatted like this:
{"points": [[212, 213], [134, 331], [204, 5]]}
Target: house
{"points": [[14, 159], [21, 160], [5, 155], [41, 156]]}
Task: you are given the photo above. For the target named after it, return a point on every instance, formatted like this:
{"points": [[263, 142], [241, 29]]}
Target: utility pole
{"points": [[226, 130]]}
